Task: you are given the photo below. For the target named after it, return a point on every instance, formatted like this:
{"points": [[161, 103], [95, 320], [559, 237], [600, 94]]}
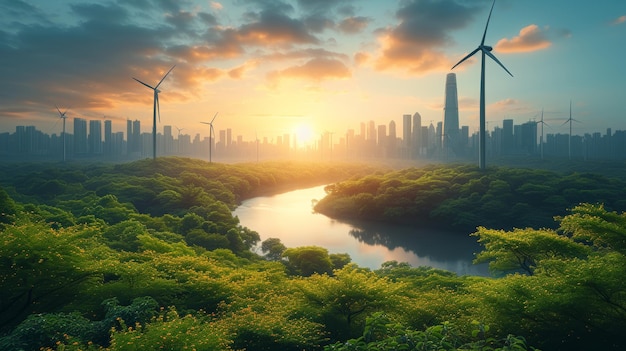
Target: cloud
{"points": [[238, 72], [530, 38], [316, 69], [619, 20], [216, 5], [354, 24], [416, 43], [361, 58], [274, 28]]}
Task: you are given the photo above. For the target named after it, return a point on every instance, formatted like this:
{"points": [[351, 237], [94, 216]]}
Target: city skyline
{"points": [[307, 68], [408, 140]]}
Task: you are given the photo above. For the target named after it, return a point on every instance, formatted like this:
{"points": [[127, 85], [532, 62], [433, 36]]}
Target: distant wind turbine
{"points": [[178, 140], [211, 135], [485, 50], [63, 116], [156, 109], [570, 120], [541, 138]]}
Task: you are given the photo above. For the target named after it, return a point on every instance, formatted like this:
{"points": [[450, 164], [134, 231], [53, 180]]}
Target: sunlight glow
{"points": [[304, 134]]}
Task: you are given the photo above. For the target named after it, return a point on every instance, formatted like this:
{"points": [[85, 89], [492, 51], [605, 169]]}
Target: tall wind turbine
{"points": [[63, 116], [211, 134], [485, 50], [569, 141], [178, 140], [156, 109], [541, 138]]}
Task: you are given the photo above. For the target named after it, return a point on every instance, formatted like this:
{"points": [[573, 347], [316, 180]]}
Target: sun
{"points": [[304, 134]]}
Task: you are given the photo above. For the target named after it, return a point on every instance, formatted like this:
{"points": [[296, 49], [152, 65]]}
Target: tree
{"points": [[308, 260], [521, 249], [273, 249]]}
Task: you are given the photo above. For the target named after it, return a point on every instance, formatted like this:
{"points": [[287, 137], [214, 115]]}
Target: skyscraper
{"points": [[406, 136], [80, 136], [417, 140], [94, 138], [451, 115]]}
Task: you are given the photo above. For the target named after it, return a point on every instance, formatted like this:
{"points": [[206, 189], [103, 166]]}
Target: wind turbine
{"points": [[485, 50], [178, 140], [569, 141], [156, 109], [63, 116], [541, 138], [211, 134]]}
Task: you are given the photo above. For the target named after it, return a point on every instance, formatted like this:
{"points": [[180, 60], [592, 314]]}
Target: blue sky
{"points": [[270, 67]]}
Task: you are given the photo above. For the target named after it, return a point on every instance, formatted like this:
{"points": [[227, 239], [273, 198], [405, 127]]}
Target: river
{"points": [[289, 217]]}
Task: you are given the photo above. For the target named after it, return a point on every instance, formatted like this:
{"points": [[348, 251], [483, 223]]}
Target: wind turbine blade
{"points": [[144, 83], [162, 79], [497, 61], [214, 117], [466, 57], [206, 123], [482, 42], [58, 110]]}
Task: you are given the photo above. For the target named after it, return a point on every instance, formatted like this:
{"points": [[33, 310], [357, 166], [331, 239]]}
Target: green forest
{"points": [[464, 197], [148, 256]]}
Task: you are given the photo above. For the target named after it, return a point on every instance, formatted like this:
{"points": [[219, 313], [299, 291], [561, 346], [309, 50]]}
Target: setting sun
{"points": [[304, 134]]}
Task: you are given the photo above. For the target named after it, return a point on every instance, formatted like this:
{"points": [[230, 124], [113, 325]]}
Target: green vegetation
{"points": [[140, 257], [464, 197]]}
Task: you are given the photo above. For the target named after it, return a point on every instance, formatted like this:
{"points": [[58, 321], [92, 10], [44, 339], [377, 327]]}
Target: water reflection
{"points": [[290, 218]]}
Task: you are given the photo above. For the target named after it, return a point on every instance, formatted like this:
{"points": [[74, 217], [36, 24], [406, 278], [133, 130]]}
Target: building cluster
{"points": [[445, 140]]}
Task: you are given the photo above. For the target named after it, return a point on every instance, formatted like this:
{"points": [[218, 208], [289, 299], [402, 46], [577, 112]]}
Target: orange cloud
{"points": [[238, 72], [316, 69], [410, 56], [619, 20], [361, 58], [530, 38]]}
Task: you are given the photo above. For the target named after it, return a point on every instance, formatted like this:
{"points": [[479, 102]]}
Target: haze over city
{"points": [[308, 67]]}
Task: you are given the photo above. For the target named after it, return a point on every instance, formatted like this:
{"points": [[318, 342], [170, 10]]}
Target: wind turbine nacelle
{"points": [[489, 48]]}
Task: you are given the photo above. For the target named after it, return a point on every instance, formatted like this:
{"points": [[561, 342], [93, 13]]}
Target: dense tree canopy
{"points": [[108, 266], [465, 197]]}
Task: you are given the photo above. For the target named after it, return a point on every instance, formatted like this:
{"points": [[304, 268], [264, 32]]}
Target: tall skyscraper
{"points": [[137, 142], [392, 140], [95, 137], [417, 140], [80, 136], [108, 137], [407, 139], [451, 115]]}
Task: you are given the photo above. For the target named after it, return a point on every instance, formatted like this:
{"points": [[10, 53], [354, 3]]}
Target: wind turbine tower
{"points": [[541, 138], [63, 116], [211, 135], [485, 51], [156, 109]]}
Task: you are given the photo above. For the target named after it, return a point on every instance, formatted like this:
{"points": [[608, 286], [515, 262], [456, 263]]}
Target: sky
{"points": [[305, 67]]}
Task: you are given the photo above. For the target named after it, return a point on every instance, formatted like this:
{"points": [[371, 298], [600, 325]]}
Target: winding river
{"points": [[290, 218]]}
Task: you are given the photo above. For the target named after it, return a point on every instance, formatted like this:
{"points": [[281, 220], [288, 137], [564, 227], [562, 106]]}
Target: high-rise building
{"points": [[451, 115], [80, 136], [508, 141], [137, 142], [108, 137], [129, 136], [95, 137], [392, 140], [417, 140], [407, 140]]}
